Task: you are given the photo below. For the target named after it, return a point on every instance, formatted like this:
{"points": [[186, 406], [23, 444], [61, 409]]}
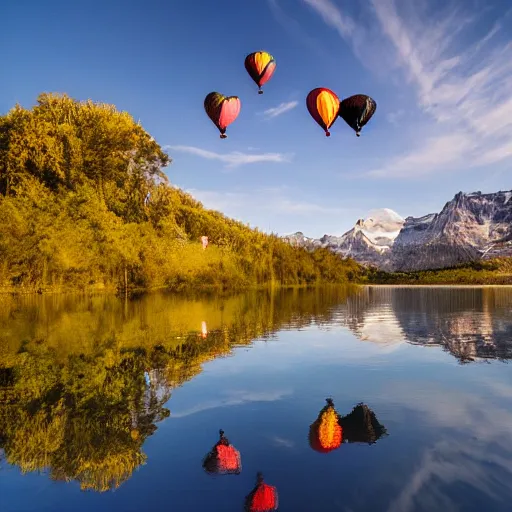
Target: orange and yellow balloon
{"points": [[326, 434], [261, 67], [222, 110], [324, 106]]}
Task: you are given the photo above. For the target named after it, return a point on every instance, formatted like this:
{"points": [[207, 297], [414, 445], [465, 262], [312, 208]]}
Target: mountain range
{"points": [[469, 227]]}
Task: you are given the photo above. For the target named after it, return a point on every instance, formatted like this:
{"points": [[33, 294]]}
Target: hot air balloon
{"points": [[263, 498], [223, 459], [326, 434], [362, 426], [261, 67], [204, 330], [323, 105], [357, 111], [222, 110]]}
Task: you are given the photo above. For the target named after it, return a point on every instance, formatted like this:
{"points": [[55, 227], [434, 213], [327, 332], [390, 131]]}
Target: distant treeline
{"points": [[73, 181], [496, 271]]}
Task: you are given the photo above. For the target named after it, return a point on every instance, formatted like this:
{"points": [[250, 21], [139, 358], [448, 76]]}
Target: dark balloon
{"points": [[222, 110], [261, 67], [357, 110]]}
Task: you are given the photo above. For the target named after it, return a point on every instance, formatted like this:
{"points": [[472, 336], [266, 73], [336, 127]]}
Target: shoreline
{"points": [[134, 292], [438, 285], [4, 293]]}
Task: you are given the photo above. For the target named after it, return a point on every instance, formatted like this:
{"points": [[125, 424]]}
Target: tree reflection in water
{"points": [[74, 400], [90, 380]]}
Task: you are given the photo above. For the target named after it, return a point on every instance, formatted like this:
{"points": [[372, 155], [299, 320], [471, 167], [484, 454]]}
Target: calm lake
{"points": [[112, 405]]}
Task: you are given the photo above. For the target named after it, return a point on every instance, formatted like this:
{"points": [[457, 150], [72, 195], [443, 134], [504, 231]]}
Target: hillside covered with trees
{"points": [[73, 179]]}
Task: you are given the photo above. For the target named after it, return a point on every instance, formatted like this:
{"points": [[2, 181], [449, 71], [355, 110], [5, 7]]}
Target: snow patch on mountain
{"points": [[469, 227], [366, 242]]}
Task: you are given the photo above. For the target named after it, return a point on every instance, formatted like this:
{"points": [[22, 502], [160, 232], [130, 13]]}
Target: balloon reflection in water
{"points": [[326, 434], [362, 426], [223, 459], [263, 498]]}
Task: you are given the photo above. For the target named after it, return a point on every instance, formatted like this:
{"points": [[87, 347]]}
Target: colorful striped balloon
{"points": [[261, 67], [222, 110], [324, 106], [326, 434]]}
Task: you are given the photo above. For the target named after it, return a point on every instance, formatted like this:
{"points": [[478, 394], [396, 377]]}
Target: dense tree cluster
{"points": [[73, 178]]}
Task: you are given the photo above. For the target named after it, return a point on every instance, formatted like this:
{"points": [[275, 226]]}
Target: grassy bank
{"points": [[73, 179]]}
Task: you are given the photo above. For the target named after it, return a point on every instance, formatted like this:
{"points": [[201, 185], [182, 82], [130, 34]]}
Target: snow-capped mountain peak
{"points": [[469, 227]]}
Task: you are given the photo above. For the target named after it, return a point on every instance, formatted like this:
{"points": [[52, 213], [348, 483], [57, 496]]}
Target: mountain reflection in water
{"points": [[470, 323], [85, 381]]}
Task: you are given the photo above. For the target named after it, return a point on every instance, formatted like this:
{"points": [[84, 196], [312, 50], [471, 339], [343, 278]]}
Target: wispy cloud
{"points": [[234, 398], [294, 29], [267, 198], [435, 153], [485, 419], [235, 158], [268, 207], [463, 89], [280, 109], [333, 16], [281, 441]]}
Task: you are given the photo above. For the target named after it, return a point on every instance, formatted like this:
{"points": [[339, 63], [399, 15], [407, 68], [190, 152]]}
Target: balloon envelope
{"points": [[357, 110], [323, 106], [260, 66], [222, 110]]}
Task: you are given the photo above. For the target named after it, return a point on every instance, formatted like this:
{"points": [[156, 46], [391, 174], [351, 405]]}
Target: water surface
{"points": [[107, 404]]}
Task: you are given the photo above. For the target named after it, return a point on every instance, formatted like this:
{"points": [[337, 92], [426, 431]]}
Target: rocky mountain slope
{"points": [[469, 227], [368, 242]]}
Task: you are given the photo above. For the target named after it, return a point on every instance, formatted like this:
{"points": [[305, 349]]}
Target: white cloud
{"points": [[234, 398], [280, 109], [434, 154], [465, 90], [279, 209], [450, 459], [333, 16], [235, 158], [271, 199], [281, 441], [294, 29]]}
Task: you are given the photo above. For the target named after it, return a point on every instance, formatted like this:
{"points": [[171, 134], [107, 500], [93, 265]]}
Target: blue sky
{"points": [[441, 74]]}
